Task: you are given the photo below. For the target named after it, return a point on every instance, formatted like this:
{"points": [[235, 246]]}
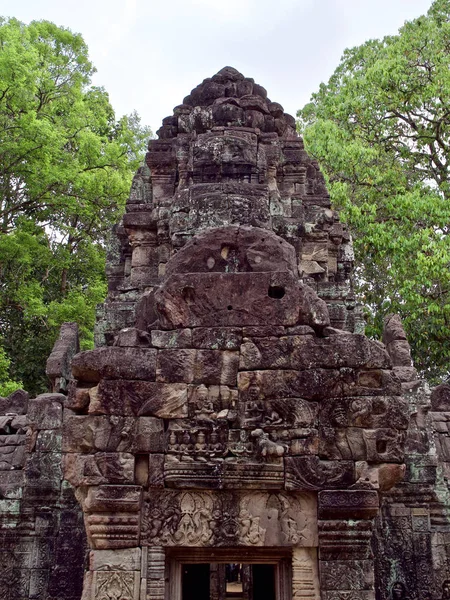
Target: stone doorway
{"points": [[235, 574], [230, 581]]}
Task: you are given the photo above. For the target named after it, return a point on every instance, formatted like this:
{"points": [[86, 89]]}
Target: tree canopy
{"points": [[380, 129], [66, 165]]}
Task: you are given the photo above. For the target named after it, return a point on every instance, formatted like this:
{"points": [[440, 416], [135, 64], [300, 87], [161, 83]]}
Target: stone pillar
{"points": [[113, 574], [305, 576], [145, 256], [155, 573], [112, 524], [346, 563]]}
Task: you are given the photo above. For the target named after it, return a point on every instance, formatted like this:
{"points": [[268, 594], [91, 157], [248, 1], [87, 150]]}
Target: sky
{"points": [[149, 54]]}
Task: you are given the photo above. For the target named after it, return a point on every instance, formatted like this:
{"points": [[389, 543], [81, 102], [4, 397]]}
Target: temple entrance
{"points": [[195, 584], [228, 581], [234, 575]]}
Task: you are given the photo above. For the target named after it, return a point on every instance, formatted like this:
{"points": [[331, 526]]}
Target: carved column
{"points": [[112, 524], [145, 258], [305, 578], [155, 573], [345, 556]]}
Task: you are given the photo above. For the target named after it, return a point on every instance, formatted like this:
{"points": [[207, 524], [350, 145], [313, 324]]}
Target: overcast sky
{"points": [[149, 54]]}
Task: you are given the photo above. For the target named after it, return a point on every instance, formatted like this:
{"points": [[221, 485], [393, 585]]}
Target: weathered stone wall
{"points": [[412, 534], [227, 156], [42, 537], [232, 400], [232, 410], [220, 430]]}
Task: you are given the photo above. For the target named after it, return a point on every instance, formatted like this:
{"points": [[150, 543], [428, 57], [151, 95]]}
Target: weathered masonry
{"points": [[234, 434]]}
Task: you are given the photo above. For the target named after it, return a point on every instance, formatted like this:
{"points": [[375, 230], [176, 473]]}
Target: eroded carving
{"points": [[246, 518]]}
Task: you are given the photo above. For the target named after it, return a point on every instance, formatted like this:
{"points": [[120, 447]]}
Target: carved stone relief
{"points": [[249, 519], [116, 584]]}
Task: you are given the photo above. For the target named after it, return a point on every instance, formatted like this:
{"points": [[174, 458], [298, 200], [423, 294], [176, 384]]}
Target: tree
{"points": [[380, 129], [66, 165], [7, 386]]}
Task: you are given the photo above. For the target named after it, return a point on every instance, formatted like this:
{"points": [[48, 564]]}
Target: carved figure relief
{"points": [[223, 519], [250, 533], [240, 446], [196, 444], [204, 409], [194, 527], [116, 585], [267, 449]]}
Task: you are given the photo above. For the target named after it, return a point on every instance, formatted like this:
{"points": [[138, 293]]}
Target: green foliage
{"points": [[380, 129], [7, 385], [66, 165]]}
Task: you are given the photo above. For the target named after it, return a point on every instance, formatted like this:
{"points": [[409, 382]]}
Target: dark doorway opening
{"points": [[229, 581], [195, 580], [263, 580]]}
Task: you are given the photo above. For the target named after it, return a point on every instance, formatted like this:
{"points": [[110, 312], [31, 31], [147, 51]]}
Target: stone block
{"points": [[264, 331], [43, 471], [393, 329], [230, 299], [115, 363], [66, 346], [440, 398], [311, 473], [383, 476], [354, 443], [346, 575], [48, 440], [348, 504], [306, 352], [99, 468], [210, 367], [406, 375], [305, 445], [313, 384], [291, 522], [156, 470], [16, 403], [144, 276], [130, 337], [38, 583], [217, 338], [116, 584], [127, 559], [78, 397], [149, 436], [142, 398], [176, 366], [365, 411], [11, 483], [400, 353], [89, 433], [45, 411], [113, 499], [224, 475], [111, 434], [179, 338], [12, 457], [370, 382]]}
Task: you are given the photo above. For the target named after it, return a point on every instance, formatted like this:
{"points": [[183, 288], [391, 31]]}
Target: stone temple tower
{"points": [[227, 157], [234, 434]]}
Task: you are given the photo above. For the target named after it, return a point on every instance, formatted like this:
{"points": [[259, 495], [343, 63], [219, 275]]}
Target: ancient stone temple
{"points": [[234, 434]]}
